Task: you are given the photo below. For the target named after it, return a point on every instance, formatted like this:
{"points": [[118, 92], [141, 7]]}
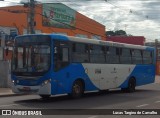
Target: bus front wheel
{"points": [[131, 85], [77, 89]]}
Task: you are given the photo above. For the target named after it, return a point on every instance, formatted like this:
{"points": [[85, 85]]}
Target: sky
{"points": [[136, 17]]}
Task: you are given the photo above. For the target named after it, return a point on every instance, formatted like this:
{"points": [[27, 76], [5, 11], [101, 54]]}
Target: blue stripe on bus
{"points": [[59, 37], [64, 79], [142, 75]]}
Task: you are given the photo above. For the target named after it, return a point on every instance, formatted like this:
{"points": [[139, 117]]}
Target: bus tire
{"points": [[131, 85], [77, 89], [45, 96]]}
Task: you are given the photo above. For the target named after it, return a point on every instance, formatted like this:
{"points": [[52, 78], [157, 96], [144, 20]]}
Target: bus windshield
{"points": [[35, 58], [31, 57]]}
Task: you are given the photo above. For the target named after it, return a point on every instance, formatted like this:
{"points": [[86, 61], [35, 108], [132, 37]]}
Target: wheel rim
{"points": [[77, 89], [131, 85]]}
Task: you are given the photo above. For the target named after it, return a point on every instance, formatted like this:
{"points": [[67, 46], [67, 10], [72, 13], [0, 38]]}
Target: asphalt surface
{"points": [[145, 97]]}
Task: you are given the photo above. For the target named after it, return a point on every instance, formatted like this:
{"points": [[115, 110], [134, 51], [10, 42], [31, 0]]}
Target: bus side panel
{"points": [[107, 76], [65, 78], [144, 74]]}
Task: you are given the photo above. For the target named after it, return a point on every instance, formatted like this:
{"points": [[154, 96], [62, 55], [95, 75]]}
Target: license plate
{"points": [[26, 88]]}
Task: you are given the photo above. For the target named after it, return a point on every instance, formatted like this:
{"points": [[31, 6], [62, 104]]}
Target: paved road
{"points": [[145, 97]]}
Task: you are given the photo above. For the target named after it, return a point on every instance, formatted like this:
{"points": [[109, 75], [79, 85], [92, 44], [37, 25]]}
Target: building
{"points": [[136, 40], [49, 18]]}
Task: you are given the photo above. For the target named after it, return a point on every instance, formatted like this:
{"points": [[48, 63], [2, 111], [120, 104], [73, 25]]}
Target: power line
{"points": [[56, 21], [31, 15], [88, 23], [119, 8], [130, 10]]}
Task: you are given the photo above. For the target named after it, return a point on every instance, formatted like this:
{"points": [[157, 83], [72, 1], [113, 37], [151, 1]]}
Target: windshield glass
{"points": [[34, 58]]}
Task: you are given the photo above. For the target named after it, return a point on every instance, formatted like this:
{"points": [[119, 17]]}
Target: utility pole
{"points": [[2, 45], [31, 16]]}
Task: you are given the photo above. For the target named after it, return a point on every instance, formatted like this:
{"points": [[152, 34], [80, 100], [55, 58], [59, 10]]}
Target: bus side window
{"points": [[74, 47], [65, 54], [80, 53], [152, 57], [136, 56], [112, 56], [125, 57], [147, 57], [97, 54]]}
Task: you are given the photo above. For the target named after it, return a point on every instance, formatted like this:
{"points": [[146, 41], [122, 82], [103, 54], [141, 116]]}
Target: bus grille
{"points": [[27, 78]]}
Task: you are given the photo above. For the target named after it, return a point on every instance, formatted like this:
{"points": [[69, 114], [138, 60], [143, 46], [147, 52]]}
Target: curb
{"points": [[13, 94]]}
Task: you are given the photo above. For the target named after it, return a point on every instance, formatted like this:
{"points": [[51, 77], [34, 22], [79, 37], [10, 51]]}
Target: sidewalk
{"points": [[4, 92]]}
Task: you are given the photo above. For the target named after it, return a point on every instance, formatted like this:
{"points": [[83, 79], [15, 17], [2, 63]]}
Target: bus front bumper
{"points": [[41, 90]]}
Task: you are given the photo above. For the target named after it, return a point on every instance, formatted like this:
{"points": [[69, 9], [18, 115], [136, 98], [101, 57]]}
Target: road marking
{"points": [[142, 105], [156, 101], [8, 105], [92, 116]]}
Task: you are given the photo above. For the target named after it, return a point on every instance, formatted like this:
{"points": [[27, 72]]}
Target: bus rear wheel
{"points": [[77, 89], [45, 96], [131, 85]]}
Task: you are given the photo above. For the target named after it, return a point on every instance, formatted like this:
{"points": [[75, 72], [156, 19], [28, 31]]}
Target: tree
{"points": [[116, 33], [110, 33], [120, 32]]}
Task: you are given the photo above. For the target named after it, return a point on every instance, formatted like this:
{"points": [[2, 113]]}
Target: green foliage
{"points": [[116, 33]]}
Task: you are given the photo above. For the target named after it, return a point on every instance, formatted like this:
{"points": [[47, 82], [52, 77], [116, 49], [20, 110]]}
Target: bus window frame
{"points": [[87, 51], [121, 56], [55, 69]]}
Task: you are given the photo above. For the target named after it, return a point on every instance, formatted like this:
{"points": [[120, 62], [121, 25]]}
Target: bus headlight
{"points": [[46, 82], [13, 81]]}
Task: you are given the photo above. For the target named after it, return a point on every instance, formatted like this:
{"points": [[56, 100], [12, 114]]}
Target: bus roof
{"points": [[92, 41], [108, 43]]}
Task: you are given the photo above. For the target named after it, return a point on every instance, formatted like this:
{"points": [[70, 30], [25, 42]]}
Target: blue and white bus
{"points": [[51, 64]]}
